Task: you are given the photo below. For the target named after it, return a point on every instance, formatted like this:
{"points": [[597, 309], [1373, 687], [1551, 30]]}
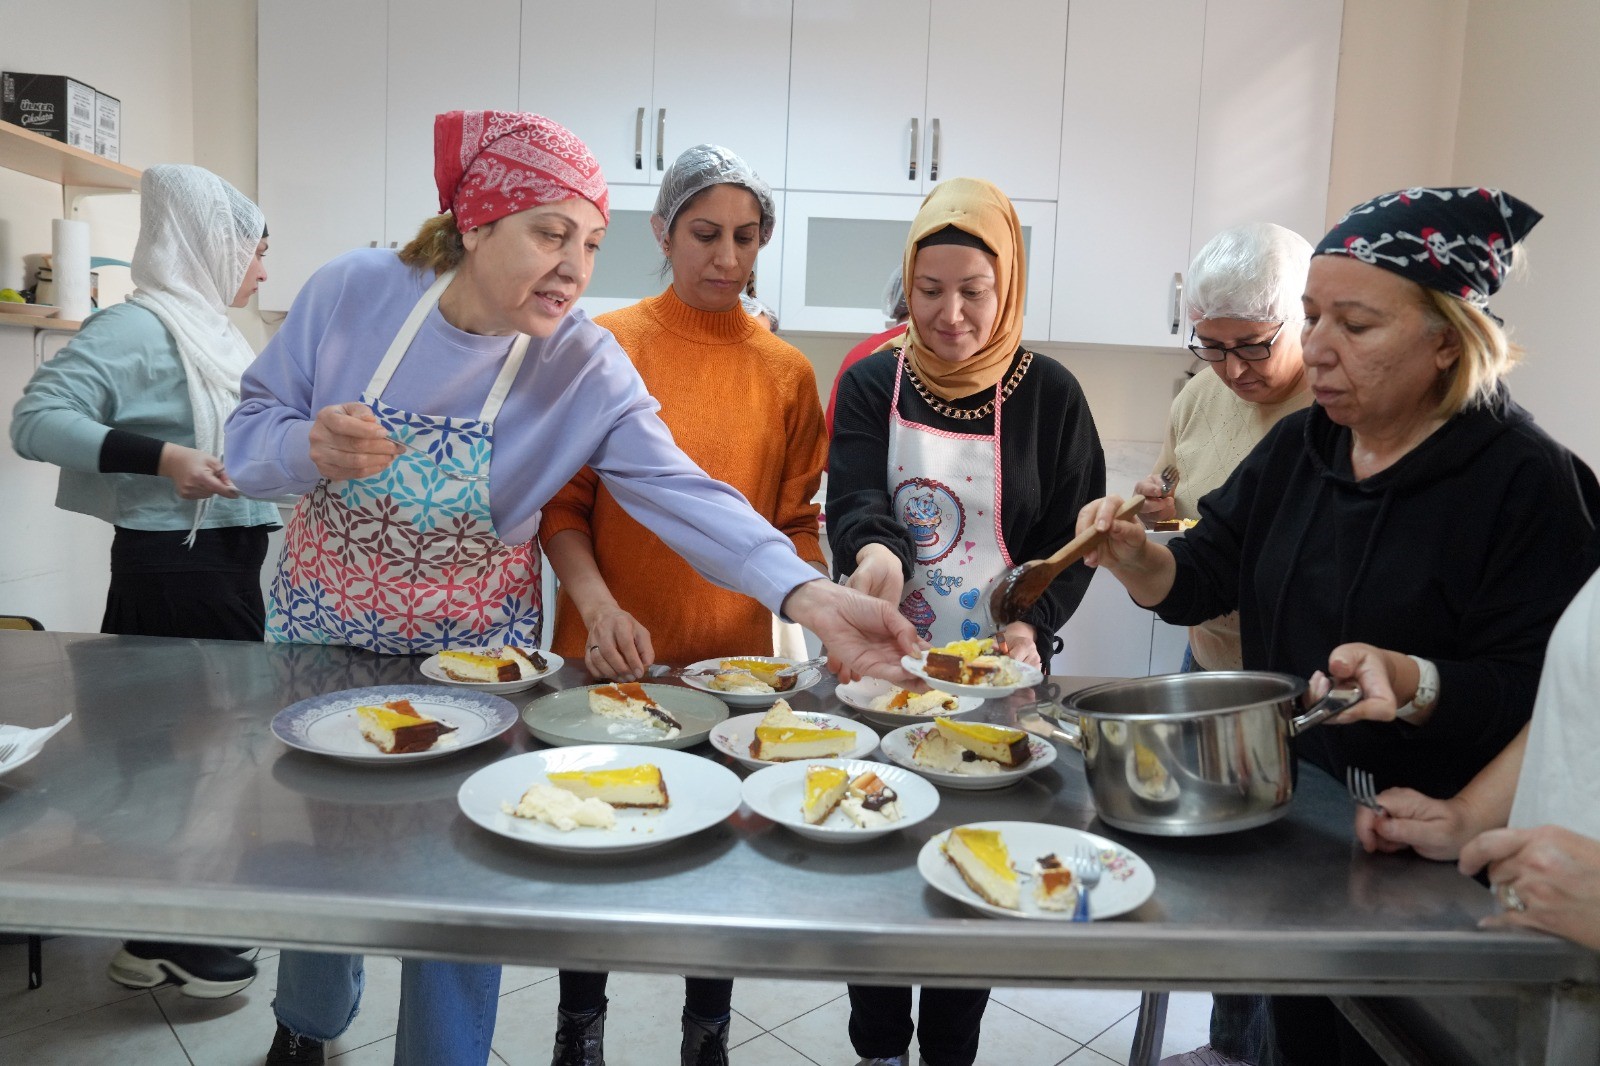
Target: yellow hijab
{"points": [[979, 208]]}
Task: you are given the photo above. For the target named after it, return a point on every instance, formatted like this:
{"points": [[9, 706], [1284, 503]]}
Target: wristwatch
{"points": [[1427, 691]]}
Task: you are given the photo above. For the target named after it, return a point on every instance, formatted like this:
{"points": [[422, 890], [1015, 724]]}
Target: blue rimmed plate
{"points": [[327, 725]]}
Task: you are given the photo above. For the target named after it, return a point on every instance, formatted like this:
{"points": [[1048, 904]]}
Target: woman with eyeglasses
{"points": [[1243, 299]]}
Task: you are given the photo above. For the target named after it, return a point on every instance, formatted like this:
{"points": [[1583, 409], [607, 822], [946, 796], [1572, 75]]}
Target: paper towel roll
{"points": [[69, 263]]}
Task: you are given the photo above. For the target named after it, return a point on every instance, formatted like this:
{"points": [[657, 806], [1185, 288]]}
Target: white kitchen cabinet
{"points": [[348, 94], [839, 249], [894, 96], [1111, 636], [1183, 117], [628, 268], [641, 80]]}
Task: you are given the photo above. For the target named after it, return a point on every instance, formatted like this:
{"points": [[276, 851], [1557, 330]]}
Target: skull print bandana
{"points": [[1458, 241], [490, 164]]}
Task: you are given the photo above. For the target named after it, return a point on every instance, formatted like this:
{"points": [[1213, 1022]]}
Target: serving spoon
{"points": [[1008, 596]]}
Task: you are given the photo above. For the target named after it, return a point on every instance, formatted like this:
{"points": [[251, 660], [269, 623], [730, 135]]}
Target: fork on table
{"points": [[1085, 862], [1362, 789]]}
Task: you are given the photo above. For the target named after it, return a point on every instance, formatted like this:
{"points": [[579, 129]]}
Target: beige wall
{"points": [[1528, 96]]}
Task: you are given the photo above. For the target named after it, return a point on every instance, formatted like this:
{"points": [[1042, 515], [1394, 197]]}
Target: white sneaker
{"points": [[1203, 1056], [893, 1060]]}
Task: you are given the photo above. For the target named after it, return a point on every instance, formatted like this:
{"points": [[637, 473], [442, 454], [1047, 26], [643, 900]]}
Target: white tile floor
{"points": [[79, 1018]]}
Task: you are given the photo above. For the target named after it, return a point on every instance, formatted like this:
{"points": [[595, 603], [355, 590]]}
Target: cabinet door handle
{"points": [[1177, 302], [933, 167], [661, 135], [372, 244], [911, 174], [638, 141], [394, 244]]}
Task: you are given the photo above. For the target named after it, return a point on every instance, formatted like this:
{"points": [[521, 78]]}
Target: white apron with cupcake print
{"points": [[945, 489]]}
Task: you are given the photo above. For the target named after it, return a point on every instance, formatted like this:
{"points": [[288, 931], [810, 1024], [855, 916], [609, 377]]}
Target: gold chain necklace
{"points": [[963, 414]]}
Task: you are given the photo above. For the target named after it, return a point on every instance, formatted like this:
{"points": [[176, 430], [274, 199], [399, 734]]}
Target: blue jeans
{"points": [[447, 1009]]}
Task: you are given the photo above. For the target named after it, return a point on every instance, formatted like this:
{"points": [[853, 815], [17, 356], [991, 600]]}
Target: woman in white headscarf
{"points": [[132, 411]]}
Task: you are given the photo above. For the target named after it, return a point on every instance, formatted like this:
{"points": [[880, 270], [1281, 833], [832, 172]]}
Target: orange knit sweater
{"points": [[741, 403]]}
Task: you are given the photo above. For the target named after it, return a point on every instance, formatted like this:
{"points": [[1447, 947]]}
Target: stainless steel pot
{"points": [[1188, 754]]}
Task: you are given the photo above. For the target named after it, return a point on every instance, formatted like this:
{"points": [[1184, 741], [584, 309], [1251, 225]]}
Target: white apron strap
{"points": [[502, 382], [408, 332]]}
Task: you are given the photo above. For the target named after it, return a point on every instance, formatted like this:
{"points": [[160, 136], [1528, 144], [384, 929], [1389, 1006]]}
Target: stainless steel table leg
{"points": [[1146, 1050]]}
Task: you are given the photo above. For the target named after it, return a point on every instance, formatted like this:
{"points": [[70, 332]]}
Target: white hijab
{"points": [[197, 238]]}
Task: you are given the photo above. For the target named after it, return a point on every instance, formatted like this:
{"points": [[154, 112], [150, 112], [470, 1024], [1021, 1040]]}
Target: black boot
{"points": [[580, 1038], [704, 1043], [291, 1050]]}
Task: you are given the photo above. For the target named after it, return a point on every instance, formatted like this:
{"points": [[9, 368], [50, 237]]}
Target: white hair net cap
{"points": [[1255, 272], [755, 308], [701, 167], [894, 297]]}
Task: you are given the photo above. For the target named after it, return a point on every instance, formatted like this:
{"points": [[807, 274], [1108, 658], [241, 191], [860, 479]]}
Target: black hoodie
{"points": [[1465, 552]]}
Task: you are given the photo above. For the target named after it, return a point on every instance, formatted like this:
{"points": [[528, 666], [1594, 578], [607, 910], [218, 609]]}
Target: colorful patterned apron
{"points": [[945, 489], [407, 560]]}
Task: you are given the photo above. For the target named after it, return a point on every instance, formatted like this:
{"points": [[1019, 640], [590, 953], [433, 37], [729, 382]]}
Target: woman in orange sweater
{"points": [[741, 403]]}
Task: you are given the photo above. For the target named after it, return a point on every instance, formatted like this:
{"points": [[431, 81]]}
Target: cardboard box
{"points": [[108, 126], [50, 104]]}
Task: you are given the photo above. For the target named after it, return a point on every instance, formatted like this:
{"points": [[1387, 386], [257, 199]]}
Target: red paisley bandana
{"points": [[490, 164]]}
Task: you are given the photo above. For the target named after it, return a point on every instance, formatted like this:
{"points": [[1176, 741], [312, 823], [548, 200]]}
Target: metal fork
{"points": [[1168, 478], [1086, 864], [1362, 789]]}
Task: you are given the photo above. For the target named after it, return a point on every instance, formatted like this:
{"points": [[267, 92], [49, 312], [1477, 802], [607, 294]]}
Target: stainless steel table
{"points": [[168, 809]]}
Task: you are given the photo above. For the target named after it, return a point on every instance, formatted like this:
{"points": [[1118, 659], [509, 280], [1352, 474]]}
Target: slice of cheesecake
{"points": [[980, 856], [825, 787], [997, 743], [628, 786], [629, 701], [480, 668], [783, 736], [397, 728], [1053, 886]]}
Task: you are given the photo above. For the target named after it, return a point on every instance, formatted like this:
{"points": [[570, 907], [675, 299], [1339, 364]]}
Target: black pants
{"points": [[159, 588], [1310, 1031], [707, 998], [947, 1024]]}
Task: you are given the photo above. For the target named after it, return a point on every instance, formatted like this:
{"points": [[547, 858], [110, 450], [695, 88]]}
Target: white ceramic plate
{"points": [[564, 718], [1030, 677], [899, 745], [805, 680], [735, 736], [701, 794], [778, 792], [860, 694], [1126, 883], [434, 672], [327, 724]]}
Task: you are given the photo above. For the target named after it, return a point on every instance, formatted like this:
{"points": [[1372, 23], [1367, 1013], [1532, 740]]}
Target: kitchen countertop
{"points": [[168, 809]]}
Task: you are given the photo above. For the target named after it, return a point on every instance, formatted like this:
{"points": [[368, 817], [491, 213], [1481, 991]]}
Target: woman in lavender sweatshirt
{"points": [[426, 405]]}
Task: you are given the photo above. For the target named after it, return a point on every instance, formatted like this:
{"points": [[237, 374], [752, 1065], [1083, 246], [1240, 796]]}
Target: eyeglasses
{"points": [[1250, 353]]}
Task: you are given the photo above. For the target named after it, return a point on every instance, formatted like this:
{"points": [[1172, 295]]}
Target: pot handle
{"points": [[1336, 701]]}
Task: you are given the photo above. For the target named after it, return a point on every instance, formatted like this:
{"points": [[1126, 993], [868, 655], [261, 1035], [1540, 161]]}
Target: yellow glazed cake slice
{"points": [[765, 672], [397, 728], [630, 701], [980, 856], [783, 736], [997, 743], [628, 786], [472, 666], [825, 786]]}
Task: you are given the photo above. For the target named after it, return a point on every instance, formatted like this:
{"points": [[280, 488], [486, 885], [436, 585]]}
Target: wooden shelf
{"points": [[32, 153], [40, 322]]}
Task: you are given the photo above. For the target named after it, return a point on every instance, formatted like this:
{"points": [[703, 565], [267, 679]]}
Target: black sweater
{"points": [[1050, 466], [1465, 552]]}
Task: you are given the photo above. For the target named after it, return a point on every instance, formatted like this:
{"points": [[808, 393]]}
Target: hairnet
{"points": [[895, 307], [1255, 272], [755, 308], [701, 167]]}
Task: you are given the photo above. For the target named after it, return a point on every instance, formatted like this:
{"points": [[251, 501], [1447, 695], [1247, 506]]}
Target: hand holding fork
{"points": [[1157, 491], [1363, 790]]}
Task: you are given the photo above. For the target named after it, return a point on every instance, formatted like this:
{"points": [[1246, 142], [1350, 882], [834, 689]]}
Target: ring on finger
{"points": [[1507, 894]]}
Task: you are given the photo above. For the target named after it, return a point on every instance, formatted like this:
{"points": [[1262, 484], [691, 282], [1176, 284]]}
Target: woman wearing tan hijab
{"points": [[954, 457]]}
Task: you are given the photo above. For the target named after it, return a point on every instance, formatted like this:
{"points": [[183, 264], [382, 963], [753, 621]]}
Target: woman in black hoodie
{"points": [[1413, 530]]}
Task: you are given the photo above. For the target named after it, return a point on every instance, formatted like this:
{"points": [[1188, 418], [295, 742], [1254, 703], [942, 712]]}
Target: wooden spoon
{"points": [[1023, 585]]}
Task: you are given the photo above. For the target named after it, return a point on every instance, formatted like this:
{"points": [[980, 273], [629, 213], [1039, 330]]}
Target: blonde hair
{"points": [[1487, 354], [437, 245]]}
